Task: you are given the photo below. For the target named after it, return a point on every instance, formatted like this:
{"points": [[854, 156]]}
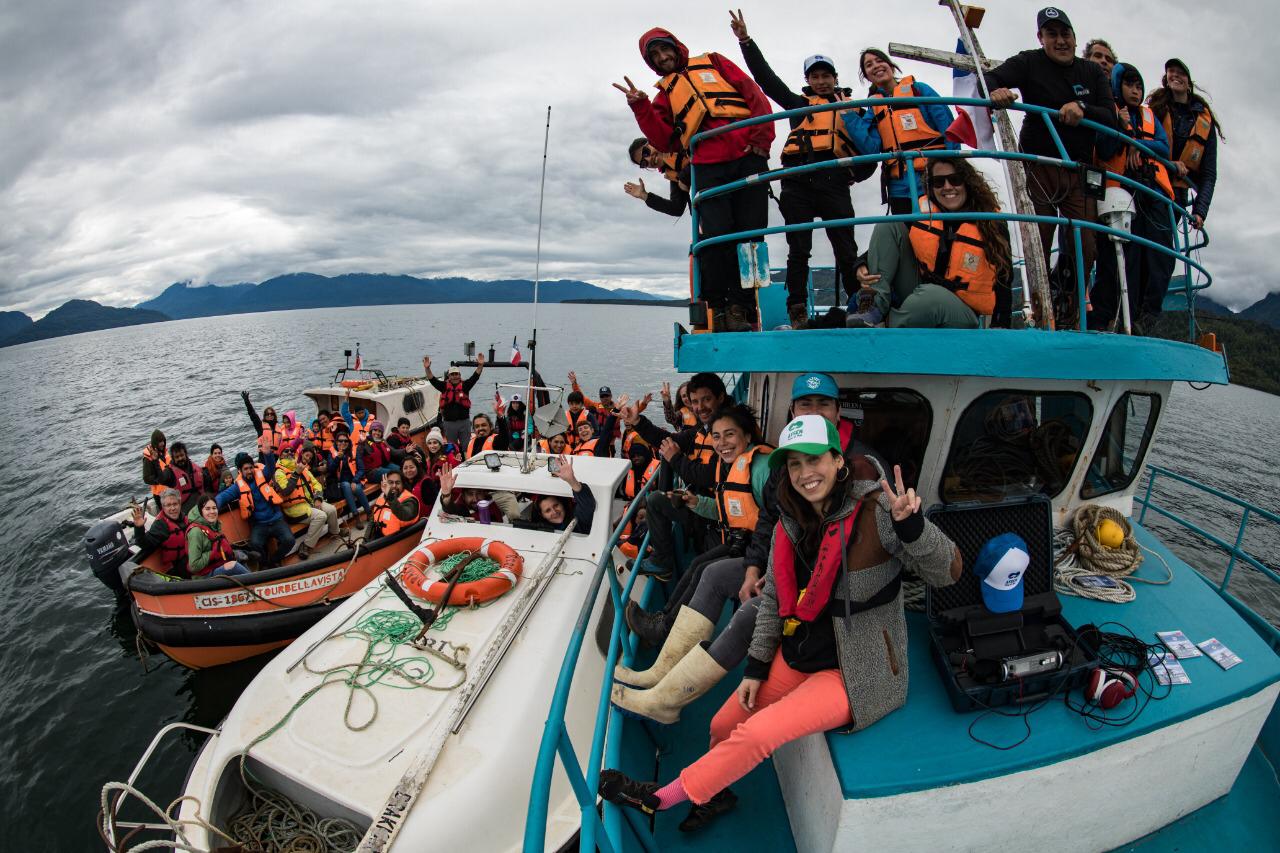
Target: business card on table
{"points": [[1177, 642], [1221, 655], [1167, 668], [1097, 582]]}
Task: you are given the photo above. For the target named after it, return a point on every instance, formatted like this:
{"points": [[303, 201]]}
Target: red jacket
{"points": [[655, 120]]}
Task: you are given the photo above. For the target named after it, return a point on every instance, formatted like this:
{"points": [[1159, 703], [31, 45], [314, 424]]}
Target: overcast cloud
{"points": [[151, 142]]}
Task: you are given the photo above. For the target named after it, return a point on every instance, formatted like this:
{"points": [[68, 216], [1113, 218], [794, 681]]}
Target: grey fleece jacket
{"points": [[871, 645]]}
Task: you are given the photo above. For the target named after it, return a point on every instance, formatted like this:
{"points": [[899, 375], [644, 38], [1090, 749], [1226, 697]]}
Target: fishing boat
{"points": [[205, 622], [502, 759]]}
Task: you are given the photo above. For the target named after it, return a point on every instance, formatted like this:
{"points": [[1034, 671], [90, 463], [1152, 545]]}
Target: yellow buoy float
{"points": [[1110, 534]]}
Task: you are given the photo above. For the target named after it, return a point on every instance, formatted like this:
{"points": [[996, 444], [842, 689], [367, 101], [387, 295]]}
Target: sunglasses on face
{"points": [[940, 181]]}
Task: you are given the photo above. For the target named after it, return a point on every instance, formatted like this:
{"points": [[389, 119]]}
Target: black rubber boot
{"points": [[701, 815], [621, 790], [651, 628]]}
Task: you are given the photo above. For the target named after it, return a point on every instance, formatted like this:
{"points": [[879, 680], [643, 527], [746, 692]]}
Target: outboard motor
{"points": [[107, 548]]}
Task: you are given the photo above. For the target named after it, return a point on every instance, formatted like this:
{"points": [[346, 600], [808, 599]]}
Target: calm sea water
{"points": [[78, 708]]}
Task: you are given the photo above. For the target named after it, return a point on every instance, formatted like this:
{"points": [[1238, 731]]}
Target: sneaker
{"points": [[869, 319], [297, 544], [738, 318], [304, 552], [798, 314], [656, 570], [701, 815], [622, 790], [651, 628]]}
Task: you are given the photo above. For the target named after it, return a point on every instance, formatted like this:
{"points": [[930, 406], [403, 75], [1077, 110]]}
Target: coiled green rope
{"points": [[271, 822]]}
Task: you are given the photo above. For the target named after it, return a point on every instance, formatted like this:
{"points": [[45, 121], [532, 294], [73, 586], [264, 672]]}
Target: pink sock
{"points": [[672, 795]]}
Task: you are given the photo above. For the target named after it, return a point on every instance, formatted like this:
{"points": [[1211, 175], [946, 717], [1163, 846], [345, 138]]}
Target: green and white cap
{"points": [[810, 434]]}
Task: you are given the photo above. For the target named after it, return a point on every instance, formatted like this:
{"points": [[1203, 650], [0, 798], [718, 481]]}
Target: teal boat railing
{"points": [[600, 831], [1181, 250], [1235, 551]]}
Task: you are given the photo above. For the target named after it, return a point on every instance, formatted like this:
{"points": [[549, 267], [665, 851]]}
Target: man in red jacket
{"points": [[696, 95]]}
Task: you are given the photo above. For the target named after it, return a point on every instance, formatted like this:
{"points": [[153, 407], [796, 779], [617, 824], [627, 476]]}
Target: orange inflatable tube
{"points": [[414, 575]]}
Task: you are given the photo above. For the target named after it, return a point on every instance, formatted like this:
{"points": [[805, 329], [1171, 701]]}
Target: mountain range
{"points": [[308, 290], [298, 290]]}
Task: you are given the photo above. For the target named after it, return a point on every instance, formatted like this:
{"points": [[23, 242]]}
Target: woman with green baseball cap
{"points": [[830, 641]]}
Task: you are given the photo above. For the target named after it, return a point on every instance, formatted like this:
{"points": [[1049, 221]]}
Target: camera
{"points": [[737, 540]]}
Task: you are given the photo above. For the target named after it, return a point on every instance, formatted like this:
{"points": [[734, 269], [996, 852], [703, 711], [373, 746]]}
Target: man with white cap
{"points": [[455, 404], [822, 194]]}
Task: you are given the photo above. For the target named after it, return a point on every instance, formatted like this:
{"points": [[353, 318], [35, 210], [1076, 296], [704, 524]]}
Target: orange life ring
{"points": [[351, 383], [414, 575]]}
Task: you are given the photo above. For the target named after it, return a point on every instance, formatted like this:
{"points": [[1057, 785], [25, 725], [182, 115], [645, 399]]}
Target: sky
{"points": [[153, 142]]}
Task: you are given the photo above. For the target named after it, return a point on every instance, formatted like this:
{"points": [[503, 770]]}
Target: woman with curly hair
{"points": [[941, 272]]}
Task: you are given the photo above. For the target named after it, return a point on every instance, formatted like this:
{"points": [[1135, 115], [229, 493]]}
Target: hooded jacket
{"points": [[1108, 146], [199, 548], [656, 121]]}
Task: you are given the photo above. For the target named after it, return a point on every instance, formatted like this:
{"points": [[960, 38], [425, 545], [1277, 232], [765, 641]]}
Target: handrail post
{"points": [[1081, 295], [1235, 551], [695, 273], [1152, 473]]}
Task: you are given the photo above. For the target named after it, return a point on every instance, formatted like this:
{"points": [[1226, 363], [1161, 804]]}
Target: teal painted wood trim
{"points": [[1021, 354]]}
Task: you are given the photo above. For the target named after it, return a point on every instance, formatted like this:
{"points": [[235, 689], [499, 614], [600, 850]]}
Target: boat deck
{"points": [[926, 744]]}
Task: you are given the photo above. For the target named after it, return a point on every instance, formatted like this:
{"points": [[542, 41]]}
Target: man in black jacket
{"points": [[674, 166], [455, 402], [822, 194], [1055, 77]]}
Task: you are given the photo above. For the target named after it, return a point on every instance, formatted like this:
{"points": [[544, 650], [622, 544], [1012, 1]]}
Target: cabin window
{"points": [[894, 422], [1123, 445], [1016, 443]]}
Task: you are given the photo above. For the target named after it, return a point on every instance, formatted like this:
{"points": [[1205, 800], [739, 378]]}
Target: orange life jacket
{"points": [[904, 128], [264, 485], [162, 465], [629, 438], [173, 550], [472, 450], [673, 164], [358, 429], [1192, 152], [953, 255], [386, 520], [322, 438], [735, 501], [586, 448], [305, 488], [1120, 162], [703, 449], [571, 437], [270, 439], [687, 417], [820, 132], [698, 91], [630, 487]]}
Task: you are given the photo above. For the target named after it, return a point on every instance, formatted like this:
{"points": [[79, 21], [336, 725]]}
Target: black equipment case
{"points": [[970, 644]]}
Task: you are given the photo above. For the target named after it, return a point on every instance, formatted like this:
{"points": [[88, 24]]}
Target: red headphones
{"points": [[1107, 688]]}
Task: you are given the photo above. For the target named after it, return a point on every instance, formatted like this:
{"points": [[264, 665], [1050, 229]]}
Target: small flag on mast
{"points": [[358, 360], [972, 126], [515, 352]]}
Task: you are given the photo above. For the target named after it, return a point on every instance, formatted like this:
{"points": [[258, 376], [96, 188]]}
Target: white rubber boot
{"points": [[695, 674], [690, 628]]}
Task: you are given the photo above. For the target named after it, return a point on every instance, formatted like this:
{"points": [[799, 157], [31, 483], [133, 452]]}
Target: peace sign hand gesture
{"points": [[904, 502], [738, 24], [633, 94]]}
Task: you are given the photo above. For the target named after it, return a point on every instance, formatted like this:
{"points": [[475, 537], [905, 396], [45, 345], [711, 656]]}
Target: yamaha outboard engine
{"points": [[107, 548]]}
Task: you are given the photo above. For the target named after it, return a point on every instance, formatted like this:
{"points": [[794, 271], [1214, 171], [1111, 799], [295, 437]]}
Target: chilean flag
{"points": [[972, 126], [358, 360], [515, 352]]}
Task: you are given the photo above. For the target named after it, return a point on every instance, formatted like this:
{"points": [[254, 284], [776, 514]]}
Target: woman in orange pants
{"points": [[834, 656]]}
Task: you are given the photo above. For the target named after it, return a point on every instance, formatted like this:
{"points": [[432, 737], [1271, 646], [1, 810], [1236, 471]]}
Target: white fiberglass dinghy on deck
{"points": [[394, 737]]}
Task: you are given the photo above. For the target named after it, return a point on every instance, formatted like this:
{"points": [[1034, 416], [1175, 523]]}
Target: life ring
{"points": [[357, 384], [414, 575]]}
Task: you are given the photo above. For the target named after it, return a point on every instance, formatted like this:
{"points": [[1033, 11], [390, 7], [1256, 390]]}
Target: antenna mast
{"points": [[530, 406]]}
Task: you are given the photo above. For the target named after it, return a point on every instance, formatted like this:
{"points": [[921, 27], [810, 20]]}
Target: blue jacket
{"points": [[345, 410], [866, 138], [264, 512], [1108, 146]]}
